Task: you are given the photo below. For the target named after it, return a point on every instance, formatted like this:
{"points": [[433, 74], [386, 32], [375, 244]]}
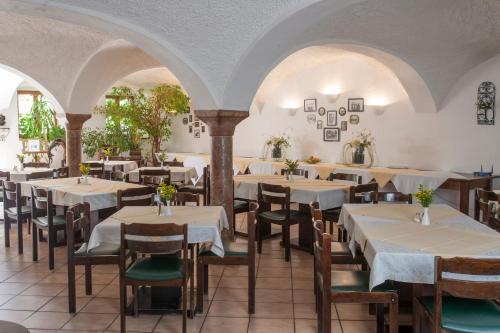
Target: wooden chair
{"points": [[347, 287], [153, 177], [494, 222], [43, 217], [40, 175], [297, 172], [460, 304], [203, 188], [15, 209], [62, 172], [235, 253], [119, 176], [183, 198], [96, 169], [268, 195], [157, 269], [346, 176], [240, 206], [116, 158], [141, 196], [4, 175], [35, 165], [363, 193], [78, 220], [484, 201], [174, 163], [391, 197]]}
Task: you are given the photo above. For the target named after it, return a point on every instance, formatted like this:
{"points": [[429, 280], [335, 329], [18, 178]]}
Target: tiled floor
{"points": [[32, 295]]}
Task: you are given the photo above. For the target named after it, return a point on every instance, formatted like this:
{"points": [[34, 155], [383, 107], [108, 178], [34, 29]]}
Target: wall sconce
{"points": [[291, 106], [332, 93], [378, 104]]}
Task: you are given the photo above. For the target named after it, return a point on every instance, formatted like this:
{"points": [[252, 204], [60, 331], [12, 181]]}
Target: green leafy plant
{"points": [[424, 196], [93, 140], [20, 158], [291, 165], [162, 157], [166, 191], [39, 122], [84, 169], [108, 152]]}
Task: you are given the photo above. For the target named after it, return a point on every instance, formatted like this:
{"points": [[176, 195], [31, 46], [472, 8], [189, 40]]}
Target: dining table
{"points": [[18, 176], [126, 166], [186, 175]]}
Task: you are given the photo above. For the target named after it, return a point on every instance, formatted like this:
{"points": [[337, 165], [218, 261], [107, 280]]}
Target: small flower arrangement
{"points": [[108, 151], [162, 157], [291, 165], [424, 196], [166, 191], [20, 158], [363, 140], [84, 169], [278, 141], [312, 160]]}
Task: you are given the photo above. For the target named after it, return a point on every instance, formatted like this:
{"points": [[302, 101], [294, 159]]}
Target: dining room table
{"points": [[186, 175], [18, 176], [126, 166]]}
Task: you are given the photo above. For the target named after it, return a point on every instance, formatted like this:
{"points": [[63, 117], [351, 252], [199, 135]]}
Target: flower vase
{"points": [[425, 218], [107, 158], [21, 167], [358, 156], [167, 211], [85, 179], [277, 153]]}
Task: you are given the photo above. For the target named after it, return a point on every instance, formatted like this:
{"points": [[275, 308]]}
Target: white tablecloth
{"points": [[327, 194], [178, 174], [205, 224], [99, 193], [109, 165], [399, 249], [21, 176]]}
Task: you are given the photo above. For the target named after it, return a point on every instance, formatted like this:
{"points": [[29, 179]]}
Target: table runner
{"points": [[328, 194], [399, 249], [178, 174], [204, 224]]}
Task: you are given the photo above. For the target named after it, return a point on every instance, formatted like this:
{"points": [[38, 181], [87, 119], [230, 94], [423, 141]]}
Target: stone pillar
{"points": [[74, 141], [221, 125]]}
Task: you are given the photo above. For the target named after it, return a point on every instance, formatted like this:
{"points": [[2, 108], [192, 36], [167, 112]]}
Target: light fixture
{"points": [[332, 93], [292, 106], [378, 104]]}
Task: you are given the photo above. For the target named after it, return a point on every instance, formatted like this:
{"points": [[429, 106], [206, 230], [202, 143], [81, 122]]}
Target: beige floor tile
{"points": [[233, 271], [13, 288], [224, 324], [26, 303], [308, 311], [173, 324], [231, 294], [273, 295], [279, 272], [233, 282], [80, 290], [102, 305], [303, 296], [310, 326], [44, 289], [358, 326], [98, 278], [90, 321], [60, 304], [27, 277], [228, 309], [142, 323], [353, 312], [273, 283], [303, 284], [273, 310], [15, 316], [47, 320], [261, 325]]}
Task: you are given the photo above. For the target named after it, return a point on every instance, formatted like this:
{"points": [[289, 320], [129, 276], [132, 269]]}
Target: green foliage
{"points": [[93, 140], [84, 169], [166, 191], [39, 123], [291, 165], [424, 196]]}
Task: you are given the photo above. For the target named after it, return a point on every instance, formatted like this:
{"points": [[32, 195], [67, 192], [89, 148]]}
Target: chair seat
{"points": [[25, 210], [280, 215], [155, 269], [192, 188], [342, 248], [103, 249], [346, 281], [43, 221], [231, 249], [467, 315], [240, 205], [331, 214]]}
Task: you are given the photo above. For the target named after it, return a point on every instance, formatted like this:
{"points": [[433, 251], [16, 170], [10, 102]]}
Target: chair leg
{"points": [[71, 288], [6, 226], [51, 236], [35, 243], [331, 227], [135, 292], [251, 288], [205, 279], [286, 235], [319, 307], [191, 289], [123, 306], [199, 287], [88, 279], [19, 235], [258, 232], [380, 318], [184, 305], [393, 316]]}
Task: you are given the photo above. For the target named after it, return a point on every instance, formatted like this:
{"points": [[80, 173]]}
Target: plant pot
{"points": [[167, 211], [425, 218], [358, 156], [277, 153]]}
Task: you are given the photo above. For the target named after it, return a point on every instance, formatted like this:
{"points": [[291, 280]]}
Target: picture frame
{"points": [[331, 118], [310, 105], [321, 111], [185, 121], [356, 104], [319, 124], [353, 119], [197, 133], [343, 125], [311, 118], [342, 111], [188, 109], [196, 123], [190, 118], [203, 129], [190, 129], [331, 134]]}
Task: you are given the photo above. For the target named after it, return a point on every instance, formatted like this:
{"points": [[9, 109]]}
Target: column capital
{"points": [[221, 122], [75, 121]]}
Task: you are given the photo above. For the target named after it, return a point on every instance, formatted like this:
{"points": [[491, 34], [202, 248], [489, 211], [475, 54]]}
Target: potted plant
{"points": [[162, 157], [290, 168], [424, 197], [167, 194], [108, 152], [363, 142], [20, 158], [277, 144], [84, 170]]}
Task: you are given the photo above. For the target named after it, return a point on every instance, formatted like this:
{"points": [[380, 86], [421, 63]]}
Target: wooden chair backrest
{"points": [[297, 172], [274, 194], [96, 169], [116, 158], [322, 261], [346, 176], [119, 176], [77, 219], [35, 165], [62, 172], [41, 204], [361, 193], [141, 196], [484, 199], [40, 175], [155, 176], [11, 193], [494, 222], [4, 175], [391, 197], [182, 198]]}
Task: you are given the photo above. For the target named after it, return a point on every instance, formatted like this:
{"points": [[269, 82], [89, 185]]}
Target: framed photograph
{"points": [[342, 111], [311, 118], [331, 134], [203, 129], [354, 119], [310, 105], [356, 104], [343, 125], [319, 124], [185, 120], [321, 111], [190, 129], [188, 109], [197, 133], [331, 118], [190, 118], [197, 124]]}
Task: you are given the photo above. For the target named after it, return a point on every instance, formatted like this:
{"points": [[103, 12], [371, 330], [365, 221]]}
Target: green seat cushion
{"points": [[240, 205], [331, 214], [155, 269], [56, 220], [103, 249], [467, 315], [345, 281], [24, 210], [231, 249], [280, 215]]}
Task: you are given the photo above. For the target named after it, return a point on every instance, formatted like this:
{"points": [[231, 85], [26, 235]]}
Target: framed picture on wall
{"points": [[190, 118], [311, 118], [343, 125], [319, 124], [203, 129], [356, 104], [331, 134], [342, 111], [197, 124], [354, 119], [185, 120], [310, 105], [190, 129], [321, 111], [331, 118], [197, 134]]}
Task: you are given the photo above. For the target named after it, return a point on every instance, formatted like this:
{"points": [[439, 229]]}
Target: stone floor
{"points": [[34, 296]]}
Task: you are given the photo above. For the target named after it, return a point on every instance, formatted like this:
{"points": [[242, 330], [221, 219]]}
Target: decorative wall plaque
{"points": [[486, 103]]}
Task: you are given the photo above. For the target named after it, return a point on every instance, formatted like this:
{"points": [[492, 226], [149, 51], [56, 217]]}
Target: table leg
{"points": [[464, 197]]}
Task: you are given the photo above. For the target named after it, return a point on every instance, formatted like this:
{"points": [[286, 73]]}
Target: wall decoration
{"points": [[188, 109], [355, 104], [321, 111], [354, 119], [203, 129], [331, 118], [486, 103], [331, 134], [185, 120], [190, 118], [311, 118], [190, 129], [197, 134], [319, 124], [197, 123], [343, 125], [310, 105], [342, 111], [196, 118], [2, 120]]}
